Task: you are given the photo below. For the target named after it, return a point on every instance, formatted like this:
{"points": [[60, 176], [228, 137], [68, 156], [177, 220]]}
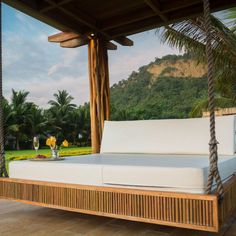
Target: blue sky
{"points": [[33, 64]]}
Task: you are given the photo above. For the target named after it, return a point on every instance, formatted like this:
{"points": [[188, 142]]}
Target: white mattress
{"points": [[183, 173]]}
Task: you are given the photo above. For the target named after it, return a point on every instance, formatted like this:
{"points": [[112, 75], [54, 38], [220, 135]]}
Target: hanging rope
{"points": [[3, 171], [213, 156]]}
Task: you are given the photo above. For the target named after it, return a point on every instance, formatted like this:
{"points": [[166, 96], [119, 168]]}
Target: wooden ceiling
{"points": [[113, 19]]}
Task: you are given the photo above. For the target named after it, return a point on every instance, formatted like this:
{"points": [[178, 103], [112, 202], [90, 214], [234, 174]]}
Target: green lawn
{"points": [[26, 154]]}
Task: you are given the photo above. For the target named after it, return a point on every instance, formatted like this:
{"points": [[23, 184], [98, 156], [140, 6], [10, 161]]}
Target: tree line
{"points": [[23, 120], [136, 98]]}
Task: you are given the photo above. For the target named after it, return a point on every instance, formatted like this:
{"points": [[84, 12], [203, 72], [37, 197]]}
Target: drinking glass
{"points": [[36, 144]]}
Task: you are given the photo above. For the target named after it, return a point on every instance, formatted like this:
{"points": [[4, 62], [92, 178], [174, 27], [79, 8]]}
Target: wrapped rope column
{"points": [[213, 156]]}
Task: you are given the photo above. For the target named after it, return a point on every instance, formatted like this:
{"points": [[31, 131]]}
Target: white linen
{"points": [[177, 136], [85, 170], [182, 173]]}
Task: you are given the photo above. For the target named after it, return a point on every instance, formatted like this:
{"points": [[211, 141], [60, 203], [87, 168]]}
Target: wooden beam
{"points": [[133, 16], [170, 5], [111, 46], [84, 19], [155, 6], [54, 5], [74, 43], [155, 22], [127, 24], [145, 14], [124, 41], [73, 40], [63, 36], [80, 16], [78, 42]]}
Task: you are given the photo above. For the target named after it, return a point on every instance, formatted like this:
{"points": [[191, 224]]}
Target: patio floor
{"points": [[17, 219]]}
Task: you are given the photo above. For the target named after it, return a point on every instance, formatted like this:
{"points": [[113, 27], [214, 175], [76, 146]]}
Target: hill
{"points": [[166, 88]]}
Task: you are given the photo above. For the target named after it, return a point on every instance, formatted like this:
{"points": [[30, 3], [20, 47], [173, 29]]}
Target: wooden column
{"points": [[99, 89]]}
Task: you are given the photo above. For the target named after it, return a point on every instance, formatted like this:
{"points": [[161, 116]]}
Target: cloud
{"points": [[33, 64], [69, 58], [78, 87], [41, 93], [55, 68]]}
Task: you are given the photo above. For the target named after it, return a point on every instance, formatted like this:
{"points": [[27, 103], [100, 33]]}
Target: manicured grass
{"points": [[26, 154]]}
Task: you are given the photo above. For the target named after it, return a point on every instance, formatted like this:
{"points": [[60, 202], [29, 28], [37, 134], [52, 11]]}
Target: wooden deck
{"points": [[25, 220]]}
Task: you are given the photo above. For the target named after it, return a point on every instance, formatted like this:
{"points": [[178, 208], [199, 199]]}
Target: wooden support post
{"points": [[99, 89]]}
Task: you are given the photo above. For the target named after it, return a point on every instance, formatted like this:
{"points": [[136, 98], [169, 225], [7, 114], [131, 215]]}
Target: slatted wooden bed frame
{"points": [[194, 211]]}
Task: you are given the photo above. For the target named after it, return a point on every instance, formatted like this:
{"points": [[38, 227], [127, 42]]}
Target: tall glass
{"points": [[36, 144]]}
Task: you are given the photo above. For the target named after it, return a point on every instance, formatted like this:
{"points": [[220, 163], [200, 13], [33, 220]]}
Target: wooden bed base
{"points": [[193, 211]]}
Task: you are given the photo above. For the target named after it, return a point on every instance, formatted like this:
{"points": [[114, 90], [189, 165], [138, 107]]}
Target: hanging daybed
{"points": [[128, 181], [148, 171]]}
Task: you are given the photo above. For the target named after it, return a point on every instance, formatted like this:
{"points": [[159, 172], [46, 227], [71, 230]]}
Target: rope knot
{"points": [[213, 143]]}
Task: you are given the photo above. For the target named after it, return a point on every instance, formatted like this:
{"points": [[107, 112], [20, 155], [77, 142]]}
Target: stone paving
{"points": [[17, 219]]}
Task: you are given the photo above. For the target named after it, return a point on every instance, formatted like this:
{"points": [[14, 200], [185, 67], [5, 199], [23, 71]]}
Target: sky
{"points": [[33, 64]]}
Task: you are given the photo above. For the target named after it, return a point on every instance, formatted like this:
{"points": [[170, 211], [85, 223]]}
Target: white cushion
{"points": [[85, 170], [184, 173], [178, 173], [177, 136]]}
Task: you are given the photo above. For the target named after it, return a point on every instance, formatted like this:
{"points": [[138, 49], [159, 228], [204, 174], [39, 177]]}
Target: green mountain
{"points": [[169, 87]]}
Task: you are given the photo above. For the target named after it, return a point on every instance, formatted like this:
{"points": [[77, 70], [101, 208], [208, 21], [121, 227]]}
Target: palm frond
{"points": [[202, 105]]}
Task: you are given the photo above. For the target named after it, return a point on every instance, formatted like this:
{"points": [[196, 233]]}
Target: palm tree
{"points": [[7, 116], [76, 123], [3, 171], [38, 122], [20, 115], [231, 17], [189, 35], [59, 114], [62, 101]]}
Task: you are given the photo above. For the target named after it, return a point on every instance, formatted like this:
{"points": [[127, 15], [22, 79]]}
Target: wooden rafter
{"points": [[84, 19], [80, 16], [73, 40], [78, 42], [113, 19], [63, 36], [53, 6], [155, 6], [170, 5], [74, 43], [124, 41], [156, 21], [132, 17], [144, 14], [111, 46]]}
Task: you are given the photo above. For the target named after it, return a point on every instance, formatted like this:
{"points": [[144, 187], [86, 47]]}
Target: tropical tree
{"points": [[7, 116], [231, 18], [62, 101], [38, 122], [189, 36], [59, 114], [79, 122], [20, 116]]}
